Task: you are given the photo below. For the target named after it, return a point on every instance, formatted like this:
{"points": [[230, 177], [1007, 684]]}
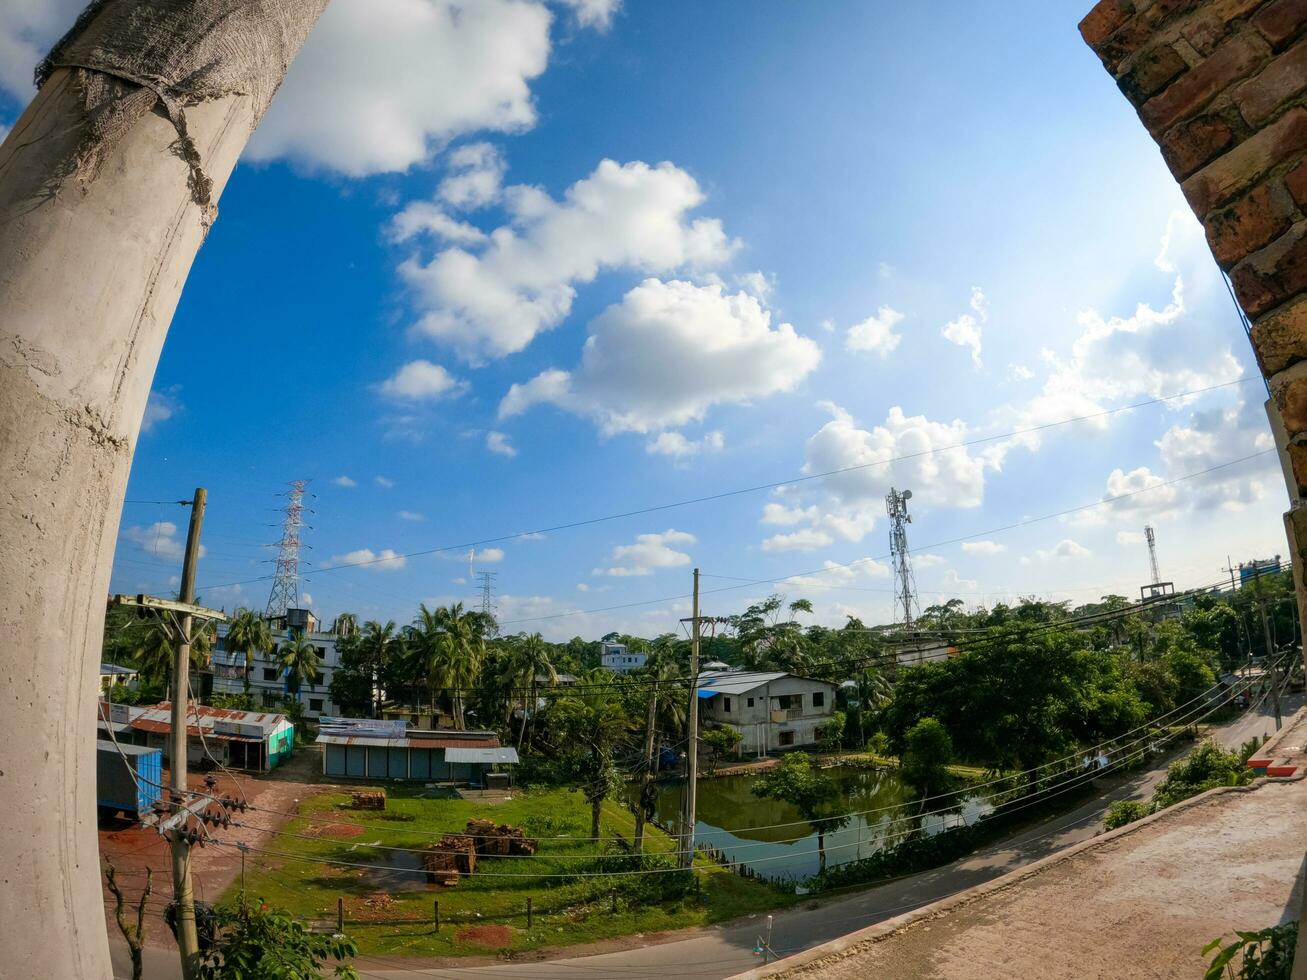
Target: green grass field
{"points": [[391, 912]]}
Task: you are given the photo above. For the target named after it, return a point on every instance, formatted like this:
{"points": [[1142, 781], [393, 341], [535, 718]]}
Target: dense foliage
{"points": [[262, 943]]}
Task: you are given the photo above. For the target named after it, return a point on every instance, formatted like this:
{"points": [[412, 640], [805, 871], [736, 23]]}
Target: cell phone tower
{"points": [[286, 585], [905, 587], [1152, 553]]}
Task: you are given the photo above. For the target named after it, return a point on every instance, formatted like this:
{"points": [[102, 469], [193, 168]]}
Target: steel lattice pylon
{"points": [[905, 587], [286, 586]]}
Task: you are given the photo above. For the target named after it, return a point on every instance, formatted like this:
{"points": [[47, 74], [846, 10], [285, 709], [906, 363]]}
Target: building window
{"points": [[315, 704], [317, 679], [726, 705], [787, 738], [750, 702], [269, 673], [818, 699]]}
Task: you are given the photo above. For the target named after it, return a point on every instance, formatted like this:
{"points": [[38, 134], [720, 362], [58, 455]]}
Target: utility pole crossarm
{"points": [[168, 605]]}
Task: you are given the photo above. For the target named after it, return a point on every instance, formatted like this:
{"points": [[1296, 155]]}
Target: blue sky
{"points": [[827, 234]]}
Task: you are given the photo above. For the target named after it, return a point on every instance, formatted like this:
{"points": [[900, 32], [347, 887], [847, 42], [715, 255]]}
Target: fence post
{"points": [[435, 910], [528, 912], [340, 915], [614, 901]]}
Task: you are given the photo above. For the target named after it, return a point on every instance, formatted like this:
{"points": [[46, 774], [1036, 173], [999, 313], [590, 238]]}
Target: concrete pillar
{"points": [[92, 262]]}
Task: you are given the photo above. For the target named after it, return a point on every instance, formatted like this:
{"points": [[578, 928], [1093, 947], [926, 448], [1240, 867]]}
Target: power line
{"points": [[757, 488]]}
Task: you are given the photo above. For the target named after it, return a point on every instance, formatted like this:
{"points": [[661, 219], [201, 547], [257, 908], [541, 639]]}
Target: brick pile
{"points": [[449, 858], [368, 800], [1221, 85], [499, 841]]}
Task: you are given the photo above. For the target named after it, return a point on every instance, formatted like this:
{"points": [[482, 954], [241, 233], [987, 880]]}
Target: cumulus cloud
{"points": [[380, 86], [649, 553], [490, 554], [835, 575], [158, 539], [427, 218], [476, 172], [774, 513], [667, 353], [161, 405], [1140, 489], [876, 333], [385, 560], [965, 331], [928, 560], [805, 539], [499, 443], [676, 444], [492, 301], [28, 28], [983, 547], [344, 481], [1066, 548], [422, 381], [593, 13]]}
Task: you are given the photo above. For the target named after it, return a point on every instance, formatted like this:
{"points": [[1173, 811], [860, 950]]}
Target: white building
{"points": [[268, 678], [771, 710], [615, 656]]}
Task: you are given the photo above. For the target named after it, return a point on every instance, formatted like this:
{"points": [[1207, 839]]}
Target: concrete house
{"points": [[770, 710], [616, 657], [268, 678]]}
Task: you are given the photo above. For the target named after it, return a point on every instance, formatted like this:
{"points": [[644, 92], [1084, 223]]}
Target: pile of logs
{"points": [[455, 855], [369, 800]]}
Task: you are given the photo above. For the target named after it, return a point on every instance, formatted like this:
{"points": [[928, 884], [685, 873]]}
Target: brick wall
{"points": [[1222, 87]]}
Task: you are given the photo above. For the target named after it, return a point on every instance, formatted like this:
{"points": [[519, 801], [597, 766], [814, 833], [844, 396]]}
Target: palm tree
{"points": [[450, 645], [376, 644], [301, 660], [530, 662], [156, 648], [595, 720], [248, 634], [346, 625]]}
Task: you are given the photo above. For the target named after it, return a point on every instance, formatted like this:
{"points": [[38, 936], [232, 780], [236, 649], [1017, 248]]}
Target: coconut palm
{"points": [[156, 648], [301, 660], [531, 662], [248, 634], [594, 720], [449, 644], [376, 644], [346, 625]]}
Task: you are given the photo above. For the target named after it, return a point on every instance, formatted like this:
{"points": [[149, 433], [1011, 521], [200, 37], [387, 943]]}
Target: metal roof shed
{"points": [[506, 754]]}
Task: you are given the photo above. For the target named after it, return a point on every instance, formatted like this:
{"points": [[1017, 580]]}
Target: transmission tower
{"points": [[286, 586], [487, 592], [1152, 553], [905, 587]]}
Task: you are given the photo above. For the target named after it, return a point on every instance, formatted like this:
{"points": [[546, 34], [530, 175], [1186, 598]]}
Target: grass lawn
{"points": [[390, 911]]}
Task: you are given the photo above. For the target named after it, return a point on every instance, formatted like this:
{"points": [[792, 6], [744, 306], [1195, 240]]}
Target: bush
{"points": [[830, 736], [258, 941], [878, 744], [1123, 812], [1267, 955], [1206, 767], [926, 754]]}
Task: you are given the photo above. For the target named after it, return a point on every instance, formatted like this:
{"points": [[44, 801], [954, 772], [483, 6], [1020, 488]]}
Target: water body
{"points": [[772, 838]]}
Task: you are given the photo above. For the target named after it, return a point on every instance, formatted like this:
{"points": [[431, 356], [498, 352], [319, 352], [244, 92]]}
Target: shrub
{"points": [[926, 754], [1206, 767], [1123, 812], [1267, 955]]}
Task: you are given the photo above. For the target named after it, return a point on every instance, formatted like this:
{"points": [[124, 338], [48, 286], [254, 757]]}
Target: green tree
{"points": [[248, 634], [830, 736], [809, 790], [530, 661], [268, 944], [300, 659], [450, 645], [927, 751], [155, 649], [594, 721], [719, 741], [376, 644]]}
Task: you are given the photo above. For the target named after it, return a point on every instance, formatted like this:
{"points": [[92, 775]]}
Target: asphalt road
{"points": [[727, 950]]}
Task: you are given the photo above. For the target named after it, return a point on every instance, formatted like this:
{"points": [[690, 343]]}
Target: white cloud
{"points": [[676, 444], [774, 513], [928, 560], [344, 481], [306, 600], [1019, 372], [953, 582], [669, 352], [476, 171], [412, 515], [649, 553], [426, 218], [422, 381], [1139, 483], [966, 330], [876, 333], [757, 284], [593, 13], [1129, 537], [983, 547], [805, 539], [884, 270], [384, 482], [28, 28], [158, 539], [161, 405], [834, 575], [493, 301], [385, 560], [1066, 548], [381, 85], [490, 554], [498, 442]]}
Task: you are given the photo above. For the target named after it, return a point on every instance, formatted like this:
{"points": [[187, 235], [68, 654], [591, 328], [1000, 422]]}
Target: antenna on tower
{"points": [[286, 585], [1152, 552], [905, 586]]}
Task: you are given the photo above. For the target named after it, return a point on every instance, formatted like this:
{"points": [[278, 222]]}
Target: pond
{"points": [[771, 838]]}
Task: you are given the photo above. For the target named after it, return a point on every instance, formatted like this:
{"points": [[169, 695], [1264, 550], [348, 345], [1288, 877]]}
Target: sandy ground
{"points": [[1138, 904]]}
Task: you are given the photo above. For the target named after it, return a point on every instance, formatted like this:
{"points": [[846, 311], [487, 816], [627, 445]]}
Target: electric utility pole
{"points": [[187, 938], [1270, 660], [692, 737]]}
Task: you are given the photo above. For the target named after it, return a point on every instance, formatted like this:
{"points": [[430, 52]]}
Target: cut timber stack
{"points": [[449, 858], [500, 840], [371, 800]]}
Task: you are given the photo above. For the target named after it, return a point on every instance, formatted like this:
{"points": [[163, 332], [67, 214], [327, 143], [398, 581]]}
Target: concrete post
{"points": [[92, 262]]}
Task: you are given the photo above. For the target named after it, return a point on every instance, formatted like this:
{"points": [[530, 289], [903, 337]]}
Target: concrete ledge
{"points": [[883, 930]]}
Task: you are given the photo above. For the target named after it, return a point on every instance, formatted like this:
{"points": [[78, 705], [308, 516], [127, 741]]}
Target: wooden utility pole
{"points": [[1270, 660], [642, 798], [187, 937], [692, 737]]}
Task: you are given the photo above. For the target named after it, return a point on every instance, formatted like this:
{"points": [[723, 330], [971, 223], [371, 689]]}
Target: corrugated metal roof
{"points": [[743, 681], [506, 754], [412, 742], [157, 718]]}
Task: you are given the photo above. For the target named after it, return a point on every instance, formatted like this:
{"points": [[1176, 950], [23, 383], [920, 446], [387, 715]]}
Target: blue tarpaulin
{"points": [[708, 694]]}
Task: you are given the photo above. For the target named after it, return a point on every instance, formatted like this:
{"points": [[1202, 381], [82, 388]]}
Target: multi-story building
{"points": [[268, 681], [616, 656], [771, 710]]}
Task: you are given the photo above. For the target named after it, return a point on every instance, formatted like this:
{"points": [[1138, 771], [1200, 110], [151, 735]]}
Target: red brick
{"points": [[1191, 144], [1150, 72], [1283, 78], [1248, 163], [1105, 18], [1280, 21], [1233, 61], [1211, 24], [1296, 181], [1256, 219], [1139, 31], [1277, 273], [1280, 338]]}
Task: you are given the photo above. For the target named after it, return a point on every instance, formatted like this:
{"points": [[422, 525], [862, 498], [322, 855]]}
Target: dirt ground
{"points": [[133, 850], [1140, 904]]}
